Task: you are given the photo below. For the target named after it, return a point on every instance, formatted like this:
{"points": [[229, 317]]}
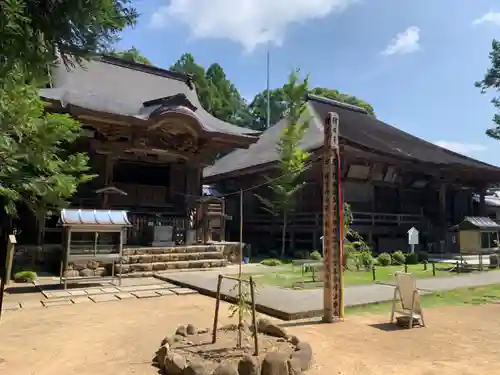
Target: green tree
{"points": [[491, 80], [258, 108], [344, 98], [36, 167], [278, 107], [33, 31], [132, 55], [292, 159], [217, 94]]}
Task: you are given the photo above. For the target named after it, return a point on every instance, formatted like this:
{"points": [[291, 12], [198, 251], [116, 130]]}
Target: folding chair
{"points": [[407, 293]]}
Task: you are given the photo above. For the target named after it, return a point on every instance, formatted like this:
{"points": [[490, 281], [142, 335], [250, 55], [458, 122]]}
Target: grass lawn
{"points": [[287, 276], [463, 296]]}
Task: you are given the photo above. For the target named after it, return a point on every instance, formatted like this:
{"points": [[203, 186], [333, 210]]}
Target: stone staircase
{"points": [[145, 261]]}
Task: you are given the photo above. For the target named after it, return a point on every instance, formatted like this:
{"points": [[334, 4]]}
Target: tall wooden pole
{"points": [[240, 291], [332, 293]]}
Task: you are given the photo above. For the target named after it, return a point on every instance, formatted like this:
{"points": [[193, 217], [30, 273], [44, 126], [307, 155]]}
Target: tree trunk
{"points": [[283, 235]]}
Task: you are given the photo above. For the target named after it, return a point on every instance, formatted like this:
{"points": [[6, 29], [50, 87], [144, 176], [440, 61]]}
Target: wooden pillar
{"points": [[442, 215], [482, 203], [107, 178]]}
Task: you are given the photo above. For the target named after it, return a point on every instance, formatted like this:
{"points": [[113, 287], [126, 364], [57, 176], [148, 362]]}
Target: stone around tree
{"points": [[174, 364], [248, 365], [195, 368], [225, 369], [181, 331], [275, 364], [191, 329]]}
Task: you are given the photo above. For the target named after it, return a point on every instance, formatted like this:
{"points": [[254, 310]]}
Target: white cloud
{"points": [[247, 22], [490, 17], [406, 42], [461, 148]]}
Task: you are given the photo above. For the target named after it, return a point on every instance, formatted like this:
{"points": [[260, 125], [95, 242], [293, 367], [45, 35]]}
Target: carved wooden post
{"points": [[332, 297]]}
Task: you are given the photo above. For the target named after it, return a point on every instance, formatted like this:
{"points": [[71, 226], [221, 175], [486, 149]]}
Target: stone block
{"points": [[81, 299], [57, 302], [182, 291], [145, 294], [124, 295], [103, 298], [31, 304], [110, 290], [79, 292], [165, 292]]}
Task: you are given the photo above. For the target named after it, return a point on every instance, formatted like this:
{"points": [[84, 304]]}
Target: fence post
{"points": [[374, 274], [433, 269]]}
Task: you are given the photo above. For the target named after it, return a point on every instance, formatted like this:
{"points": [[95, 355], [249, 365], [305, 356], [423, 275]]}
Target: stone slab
{"points": [[182, 291], [110, 290], [98, 298], [11, 306], [165, 292], [60, 293], [31, 304], [79, 292], [57, 302], [124, 295], [81, 299], [93, 291], [145, 294], [137, 288]]}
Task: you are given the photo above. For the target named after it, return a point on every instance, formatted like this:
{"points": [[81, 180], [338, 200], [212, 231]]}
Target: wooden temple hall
{"points": [[392, 181], [148, 139]]}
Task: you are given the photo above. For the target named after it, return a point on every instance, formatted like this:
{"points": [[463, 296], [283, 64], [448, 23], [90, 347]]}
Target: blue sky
{"points": [[414, 61]]}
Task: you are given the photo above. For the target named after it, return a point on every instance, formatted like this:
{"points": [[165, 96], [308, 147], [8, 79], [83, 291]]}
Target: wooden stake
{"points": [[217, 305], [254, 319]]}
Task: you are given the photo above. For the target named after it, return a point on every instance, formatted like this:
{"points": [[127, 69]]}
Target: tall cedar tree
{"points": [[36, 165], [491, 80], [292, 159]]}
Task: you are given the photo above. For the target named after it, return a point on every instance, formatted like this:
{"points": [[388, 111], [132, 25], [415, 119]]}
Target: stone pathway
{"points": [[137, 288], [288, 304]]}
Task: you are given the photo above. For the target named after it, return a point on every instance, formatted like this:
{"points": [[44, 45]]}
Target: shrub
{"points": [[316, 255], [301, 254], [423, 257], [366, 259], [25, 276], [398, 258], [411, 258], [271, 262], [384, 259]]}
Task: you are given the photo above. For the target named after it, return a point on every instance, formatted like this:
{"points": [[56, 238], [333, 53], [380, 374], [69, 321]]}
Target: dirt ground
{"points": [[121, 338]]}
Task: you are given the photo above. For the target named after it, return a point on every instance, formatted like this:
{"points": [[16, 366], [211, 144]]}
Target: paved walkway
{"points": [[47, 292], [288, 304]]}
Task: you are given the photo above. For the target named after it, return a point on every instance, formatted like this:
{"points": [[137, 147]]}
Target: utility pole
{"points": [[333, 299], [268, 101]]}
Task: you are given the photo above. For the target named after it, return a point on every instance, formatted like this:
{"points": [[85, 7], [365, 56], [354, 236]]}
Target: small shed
{"points": [[477, 234], [92, 243]]}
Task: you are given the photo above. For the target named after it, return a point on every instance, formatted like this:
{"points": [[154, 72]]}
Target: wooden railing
{"points": [[315, 219]]}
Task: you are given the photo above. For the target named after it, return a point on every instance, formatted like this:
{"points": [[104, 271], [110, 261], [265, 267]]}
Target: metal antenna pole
{"points": [[268, 114]]}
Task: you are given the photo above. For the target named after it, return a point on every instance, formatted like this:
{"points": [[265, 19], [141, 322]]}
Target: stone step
{"points": [[175, 249], [161, 266], [171, 257]]}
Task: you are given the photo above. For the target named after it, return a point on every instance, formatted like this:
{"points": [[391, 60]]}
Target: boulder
{"points": [[191, 329], [203, 330], [267, 328], [92, 264], [294, 340], [181, 331], [303, 353], [174, 364], [275, 364], [195, 368], [294, 366], [162, 353], [248, 365], [87, 272], [225, 369]]}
